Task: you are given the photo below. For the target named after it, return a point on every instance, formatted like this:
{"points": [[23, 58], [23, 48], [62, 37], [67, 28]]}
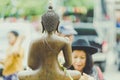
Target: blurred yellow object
{"points": [[13, 62], [65, 70]]}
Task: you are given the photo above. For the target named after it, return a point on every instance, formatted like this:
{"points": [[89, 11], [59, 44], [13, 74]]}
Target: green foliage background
{"points": [[89, 4], [27, 7], [35, 7]]}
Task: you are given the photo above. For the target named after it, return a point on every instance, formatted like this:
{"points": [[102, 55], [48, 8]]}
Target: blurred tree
{"points": [[33, 7], [28, 7], [79, 3]]}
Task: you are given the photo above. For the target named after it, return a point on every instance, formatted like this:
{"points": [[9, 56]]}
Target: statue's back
{"points": [[43, 54], [46, 51]]}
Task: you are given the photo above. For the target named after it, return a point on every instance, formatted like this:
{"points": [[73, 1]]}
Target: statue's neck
{"points": [[49, 33]]}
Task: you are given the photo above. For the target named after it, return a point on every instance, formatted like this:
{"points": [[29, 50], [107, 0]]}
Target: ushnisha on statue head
{"points": [[50, 20]]}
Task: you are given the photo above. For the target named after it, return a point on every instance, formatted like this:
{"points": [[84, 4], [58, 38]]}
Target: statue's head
{"points": [[50, 20]]}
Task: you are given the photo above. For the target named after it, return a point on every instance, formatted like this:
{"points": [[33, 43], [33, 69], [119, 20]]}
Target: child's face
{"points": [[79, 59], [11, 38]]}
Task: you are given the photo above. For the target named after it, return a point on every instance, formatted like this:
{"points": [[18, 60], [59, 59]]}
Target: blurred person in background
{"points": [[14, 57], [68, 32], [82, 60], [118, 22]]}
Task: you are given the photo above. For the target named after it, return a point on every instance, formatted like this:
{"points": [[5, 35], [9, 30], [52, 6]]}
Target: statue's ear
{"points": [[58, 26], [43, 28]]}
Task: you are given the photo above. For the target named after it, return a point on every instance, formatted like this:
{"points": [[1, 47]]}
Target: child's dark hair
{"points": [[15, 33], [88, 66]]}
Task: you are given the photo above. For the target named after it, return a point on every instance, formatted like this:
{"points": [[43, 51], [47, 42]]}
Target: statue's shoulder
{"points": [[37, 41]]}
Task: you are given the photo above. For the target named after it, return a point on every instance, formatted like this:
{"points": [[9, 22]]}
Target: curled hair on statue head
{"points": [[50, 20]]}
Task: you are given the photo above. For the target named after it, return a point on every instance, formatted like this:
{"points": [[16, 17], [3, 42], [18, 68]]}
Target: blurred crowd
{"points": [[81, 56], [20, 37]]}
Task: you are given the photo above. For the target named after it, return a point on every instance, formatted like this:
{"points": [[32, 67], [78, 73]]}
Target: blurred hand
{"points": [[86, 77], [18, 43], [21, 37]]}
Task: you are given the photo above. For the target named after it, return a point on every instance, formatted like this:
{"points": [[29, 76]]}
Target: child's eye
{"points": [[82, 57]]}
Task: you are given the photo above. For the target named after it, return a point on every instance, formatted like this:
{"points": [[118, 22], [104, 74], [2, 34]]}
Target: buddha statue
{"points": [[43, 54]]}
